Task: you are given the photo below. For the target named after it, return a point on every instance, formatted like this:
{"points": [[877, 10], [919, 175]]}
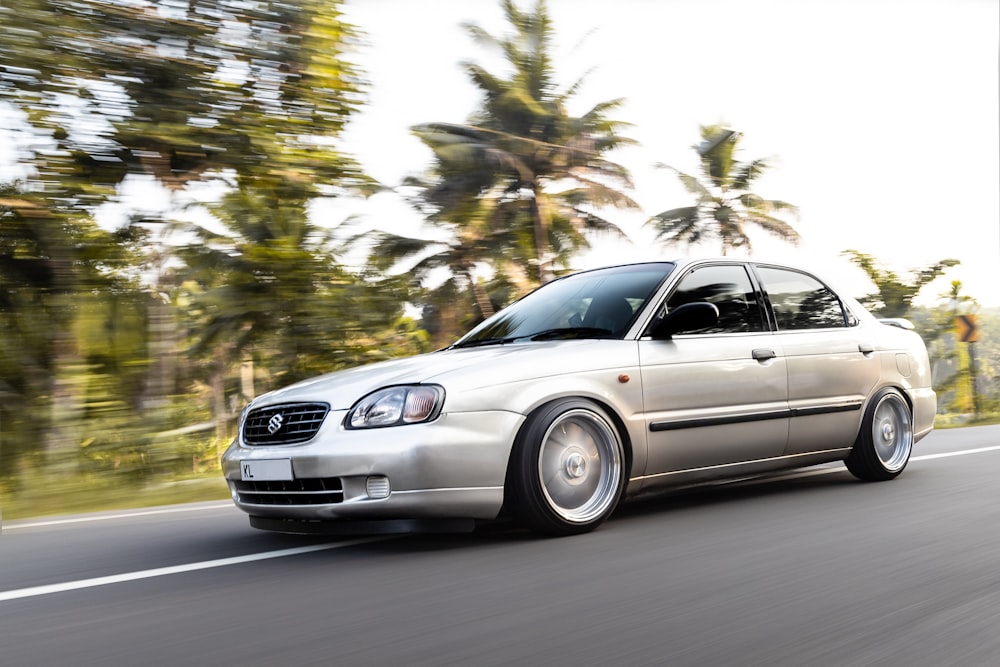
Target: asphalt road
{"points": [[804, 569]]}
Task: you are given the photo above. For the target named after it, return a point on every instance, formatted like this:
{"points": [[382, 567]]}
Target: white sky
{"points": [[882, 115]]}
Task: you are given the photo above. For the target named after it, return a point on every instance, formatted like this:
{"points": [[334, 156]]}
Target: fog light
{"points": [[377, 487]]}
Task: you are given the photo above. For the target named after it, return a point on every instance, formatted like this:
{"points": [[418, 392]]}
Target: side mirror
{"points": [[687, 317]]}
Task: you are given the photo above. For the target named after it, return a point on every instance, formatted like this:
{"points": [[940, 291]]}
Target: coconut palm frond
{"points": [[725, 207]]}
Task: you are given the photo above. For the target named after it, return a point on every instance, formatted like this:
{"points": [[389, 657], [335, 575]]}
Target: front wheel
{"points": [[567, 468], [883, 446]]}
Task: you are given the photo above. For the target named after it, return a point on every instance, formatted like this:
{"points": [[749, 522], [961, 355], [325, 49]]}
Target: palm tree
{"points": [[459, 249], [466, 238], [724, 203], [545, 169], [894, 295]]}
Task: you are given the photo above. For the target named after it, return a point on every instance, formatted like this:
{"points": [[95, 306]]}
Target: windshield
{"points": [[592, 304]]}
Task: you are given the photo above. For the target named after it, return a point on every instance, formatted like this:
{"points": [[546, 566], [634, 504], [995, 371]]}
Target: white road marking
{"points": [[35, 591], [122, 515], [928, 457]]}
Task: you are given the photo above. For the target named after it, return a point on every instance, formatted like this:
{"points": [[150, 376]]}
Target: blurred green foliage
{"points": [[725, 206], [894, 296], [966, 375], [107, 338]]}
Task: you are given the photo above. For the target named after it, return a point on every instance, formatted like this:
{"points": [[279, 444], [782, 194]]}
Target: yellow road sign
{"points": [[967, 328]]}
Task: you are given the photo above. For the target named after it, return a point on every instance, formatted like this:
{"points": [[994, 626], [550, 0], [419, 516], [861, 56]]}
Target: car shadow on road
{"points": [[793, 486], [738, 490]]}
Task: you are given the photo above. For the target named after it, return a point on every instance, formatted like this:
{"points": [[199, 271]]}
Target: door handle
{"points": [[762, 354], [866, 348]]}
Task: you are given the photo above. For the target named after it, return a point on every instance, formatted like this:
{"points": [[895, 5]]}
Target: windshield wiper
{"points": [[547, 334], [482, 342], [570, 332]]}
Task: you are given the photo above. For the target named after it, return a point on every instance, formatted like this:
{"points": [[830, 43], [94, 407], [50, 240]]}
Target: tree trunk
{"points": [[448, 329], [543, 220], [62, 438], [482, 298], [246, 378], [219, 408], [163, 335]]}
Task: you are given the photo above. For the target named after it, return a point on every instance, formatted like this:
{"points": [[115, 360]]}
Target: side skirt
{"points": [[676, 478]]}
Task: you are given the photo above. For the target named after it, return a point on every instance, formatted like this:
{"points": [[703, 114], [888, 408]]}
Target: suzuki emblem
{"points": [[274, 424]]}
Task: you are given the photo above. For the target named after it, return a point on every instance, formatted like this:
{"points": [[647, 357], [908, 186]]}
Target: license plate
{"points": [[267, 470]]}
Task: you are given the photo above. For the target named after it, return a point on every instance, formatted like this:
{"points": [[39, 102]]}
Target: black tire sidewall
{"points": [[863, 461], [524, 487]]}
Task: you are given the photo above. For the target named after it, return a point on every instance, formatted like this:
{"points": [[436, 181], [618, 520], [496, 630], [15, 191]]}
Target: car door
{"points": [[718, 396], [832, 365]]}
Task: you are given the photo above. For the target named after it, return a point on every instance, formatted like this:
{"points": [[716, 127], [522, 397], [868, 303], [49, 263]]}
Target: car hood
{"points": [[459, 370]]}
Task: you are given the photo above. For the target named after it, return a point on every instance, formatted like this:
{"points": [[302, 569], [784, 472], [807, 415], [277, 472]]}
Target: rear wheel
{"points": [[567, 468], [883, 446]]}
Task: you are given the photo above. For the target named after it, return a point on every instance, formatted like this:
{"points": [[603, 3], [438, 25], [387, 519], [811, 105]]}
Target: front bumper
{"points": [[453, 467]]}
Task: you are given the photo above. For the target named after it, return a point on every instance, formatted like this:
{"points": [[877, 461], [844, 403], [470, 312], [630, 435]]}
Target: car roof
{"points": [[685, 261]]}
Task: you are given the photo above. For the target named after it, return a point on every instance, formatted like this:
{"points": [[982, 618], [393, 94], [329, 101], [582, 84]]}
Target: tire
{"points": [[883, 446], [567, 469]]}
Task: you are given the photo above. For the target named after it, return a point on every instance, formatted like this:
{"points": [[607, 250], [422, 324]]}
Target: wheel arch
{"points": [[616, 421], [875, 392]]}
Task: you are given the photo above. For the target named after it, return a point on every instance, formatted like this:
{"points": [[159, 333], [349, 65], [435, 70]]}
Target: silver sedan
{"points": [[595, 387]]}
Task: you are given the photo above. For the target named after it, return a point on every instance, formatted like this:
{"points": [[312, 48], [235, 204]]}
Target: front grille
{"points": [[288, 424], [317, 491]]}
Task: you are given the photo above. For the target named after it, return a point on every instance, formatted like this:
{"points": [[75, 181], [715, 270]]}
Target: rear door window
{"points": [[800, 301]]}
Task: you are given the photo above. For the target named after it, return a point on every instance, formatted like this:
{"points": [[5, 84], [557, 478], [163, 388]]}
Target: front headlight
{"points": [[395, 406]]}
